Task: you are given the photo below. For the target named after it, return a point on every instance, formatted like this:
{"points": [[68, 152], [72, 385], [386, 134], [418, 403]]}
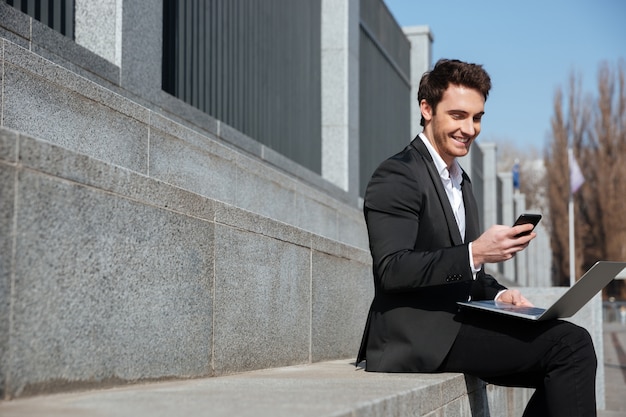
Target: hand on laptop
{"points": [[514, 297]]}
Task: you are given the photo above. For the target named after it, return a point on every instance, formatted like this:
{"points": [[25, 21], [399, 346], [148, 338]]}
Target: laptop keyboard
{"points": [[534, 311]]}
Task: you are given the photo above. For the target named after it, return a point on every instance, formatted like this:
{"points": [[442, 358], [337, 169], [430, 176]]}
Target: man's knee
{"points": [[578, 342], [588, 347]]}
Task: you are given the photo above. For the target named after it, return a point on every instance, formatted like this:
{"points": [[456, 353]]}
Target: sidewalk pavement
{"points": [[614, 370]]}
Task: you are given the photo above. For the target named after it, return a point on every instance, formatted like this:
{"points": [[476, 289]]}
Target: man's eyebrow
{"points": [[482, 113]]}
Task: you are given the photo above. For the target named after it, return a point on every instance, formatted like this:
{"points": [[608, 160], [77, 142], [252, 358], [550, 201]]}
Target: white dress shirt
{"points": [[451, 180]]}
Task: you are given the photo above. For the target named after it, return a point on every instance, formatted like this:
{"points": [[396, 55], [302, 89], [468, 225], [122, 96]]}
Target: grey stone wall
{"points": [[110, 276], [47, 101], [145, 241]]}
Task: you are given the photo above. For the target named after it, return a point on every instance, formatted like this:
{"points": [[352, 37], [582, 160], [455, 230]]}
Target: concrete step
{"points": [[334, 388]]}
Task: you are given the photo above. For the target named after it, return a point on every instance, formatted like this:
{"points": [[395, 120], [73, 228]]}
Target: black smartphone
{"points": [[525, 219]]}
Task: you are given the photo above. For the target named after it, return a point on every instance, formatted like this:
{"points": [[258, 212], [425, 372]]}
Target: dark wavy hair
{"points": [[451, 71]]}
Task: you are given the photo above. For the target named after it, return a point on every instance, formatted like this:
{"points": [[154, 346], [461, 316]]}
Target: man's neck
{"points": [[434, 151]]}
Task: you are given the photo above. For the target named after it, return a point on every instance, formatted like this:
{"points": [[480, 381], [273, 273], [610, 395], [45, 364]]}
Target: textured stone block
{"points": [[207, 170], [352, 229], [265, 191], [8, 146], [313, 214], [16, 22], [8, 157], [97, 28], [64, 74], [7, 194], [106, 289], [59, 48], [342, 292], [43, 110], [142, 43], [232, 216], [187, 114], [11, 37], [60, 162], [240, 140], [262, 301]]}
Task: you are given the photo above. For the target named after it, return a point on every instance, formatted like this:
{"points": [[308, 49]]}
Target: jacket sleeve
{"points": [[410, 249], [486, 287]]}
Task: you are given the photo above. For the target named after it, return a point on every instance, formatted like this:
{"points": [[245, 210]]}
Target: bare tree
{"points": [[605, 165], [596, 131], [558, 191]]}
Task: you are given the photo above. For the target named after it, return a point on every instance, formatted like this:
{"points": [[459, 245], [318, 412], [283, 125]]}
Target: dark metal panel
{"points": [[186, 48], [379, 22], [44, 13], [254, 65], [69, 17], [30, 7], [57, 14], [384, 93]]}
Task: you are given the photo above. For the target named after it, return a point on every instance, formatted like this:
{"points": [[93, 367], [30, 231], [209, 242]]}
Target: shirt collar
{"points": [[454, 173]]}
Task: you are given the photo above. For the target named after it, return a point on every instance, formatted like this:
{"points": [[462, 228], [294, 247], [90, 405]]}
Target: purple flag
{"points": [[576, 178]]}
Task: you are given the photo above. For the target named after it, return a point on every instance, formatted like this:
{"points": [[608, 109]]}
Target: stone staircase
{"points": [[332, 388]]}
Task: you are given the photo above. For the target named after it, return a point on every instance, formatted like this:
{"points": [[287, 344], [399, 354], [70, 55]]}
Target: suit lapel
{"points": [[472, 224], [453, 228]]}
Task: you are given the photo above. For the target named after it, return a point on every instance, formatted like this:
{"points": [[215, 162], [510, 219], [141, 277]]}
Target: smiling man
{"points": [[428, 253]]}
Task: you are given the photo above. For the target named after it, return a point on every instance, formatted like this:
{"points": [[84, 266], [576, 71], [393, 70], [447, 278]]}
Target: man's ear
{"points": [[426, 110]]}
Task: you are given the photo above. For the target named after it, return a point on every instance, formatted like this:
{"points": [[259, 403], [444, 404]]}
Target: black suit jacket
{"points": [[421, 265]]}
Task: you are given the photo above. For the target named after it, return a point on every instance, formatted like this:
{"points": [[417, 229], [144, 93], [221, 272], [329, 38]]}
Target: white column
{"points": [[490, 184], [468, 167], [521, 259], [539, 255], [421, 39], [507, 216], [340, 93], [98, 27]]}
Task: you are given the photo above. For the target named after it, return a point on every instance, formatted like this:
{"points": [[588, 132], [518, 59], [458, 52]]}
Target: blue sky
{"points": [[529, 48]]}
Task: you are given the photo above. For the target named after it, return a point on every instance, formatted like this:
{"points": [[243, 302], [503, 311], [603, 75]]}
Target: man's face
{"points": [[456, 122]]}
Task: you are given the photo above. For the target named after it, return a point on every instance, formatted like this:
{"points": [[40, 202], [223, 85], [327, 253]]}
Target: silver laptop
{"points": [[596, 278]]}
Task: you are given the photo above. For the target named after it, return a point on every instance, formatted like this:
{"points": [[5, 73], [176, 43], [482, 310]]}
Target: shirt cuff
{"points": [[498, 294], [471, 259]]}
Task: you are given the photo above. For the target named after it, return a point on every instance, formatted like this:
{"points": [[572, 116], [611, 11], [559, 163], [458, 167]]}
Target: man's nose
{"points": [[469, 127]]}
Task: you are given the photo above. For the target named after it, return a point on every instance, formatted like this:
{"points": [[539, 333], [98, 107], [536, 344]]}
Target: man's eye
{"points": [[478, 118]]}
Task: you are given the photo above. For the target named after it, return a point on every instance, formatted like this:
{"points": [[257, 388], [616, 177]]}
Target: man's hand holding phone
{"points": [[498, 243], [527, 218]]}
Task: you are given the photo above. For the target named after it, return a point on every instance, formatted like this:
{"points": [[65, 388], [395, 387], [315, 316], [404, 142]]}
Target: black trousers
{"points": [[555, 357]]}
